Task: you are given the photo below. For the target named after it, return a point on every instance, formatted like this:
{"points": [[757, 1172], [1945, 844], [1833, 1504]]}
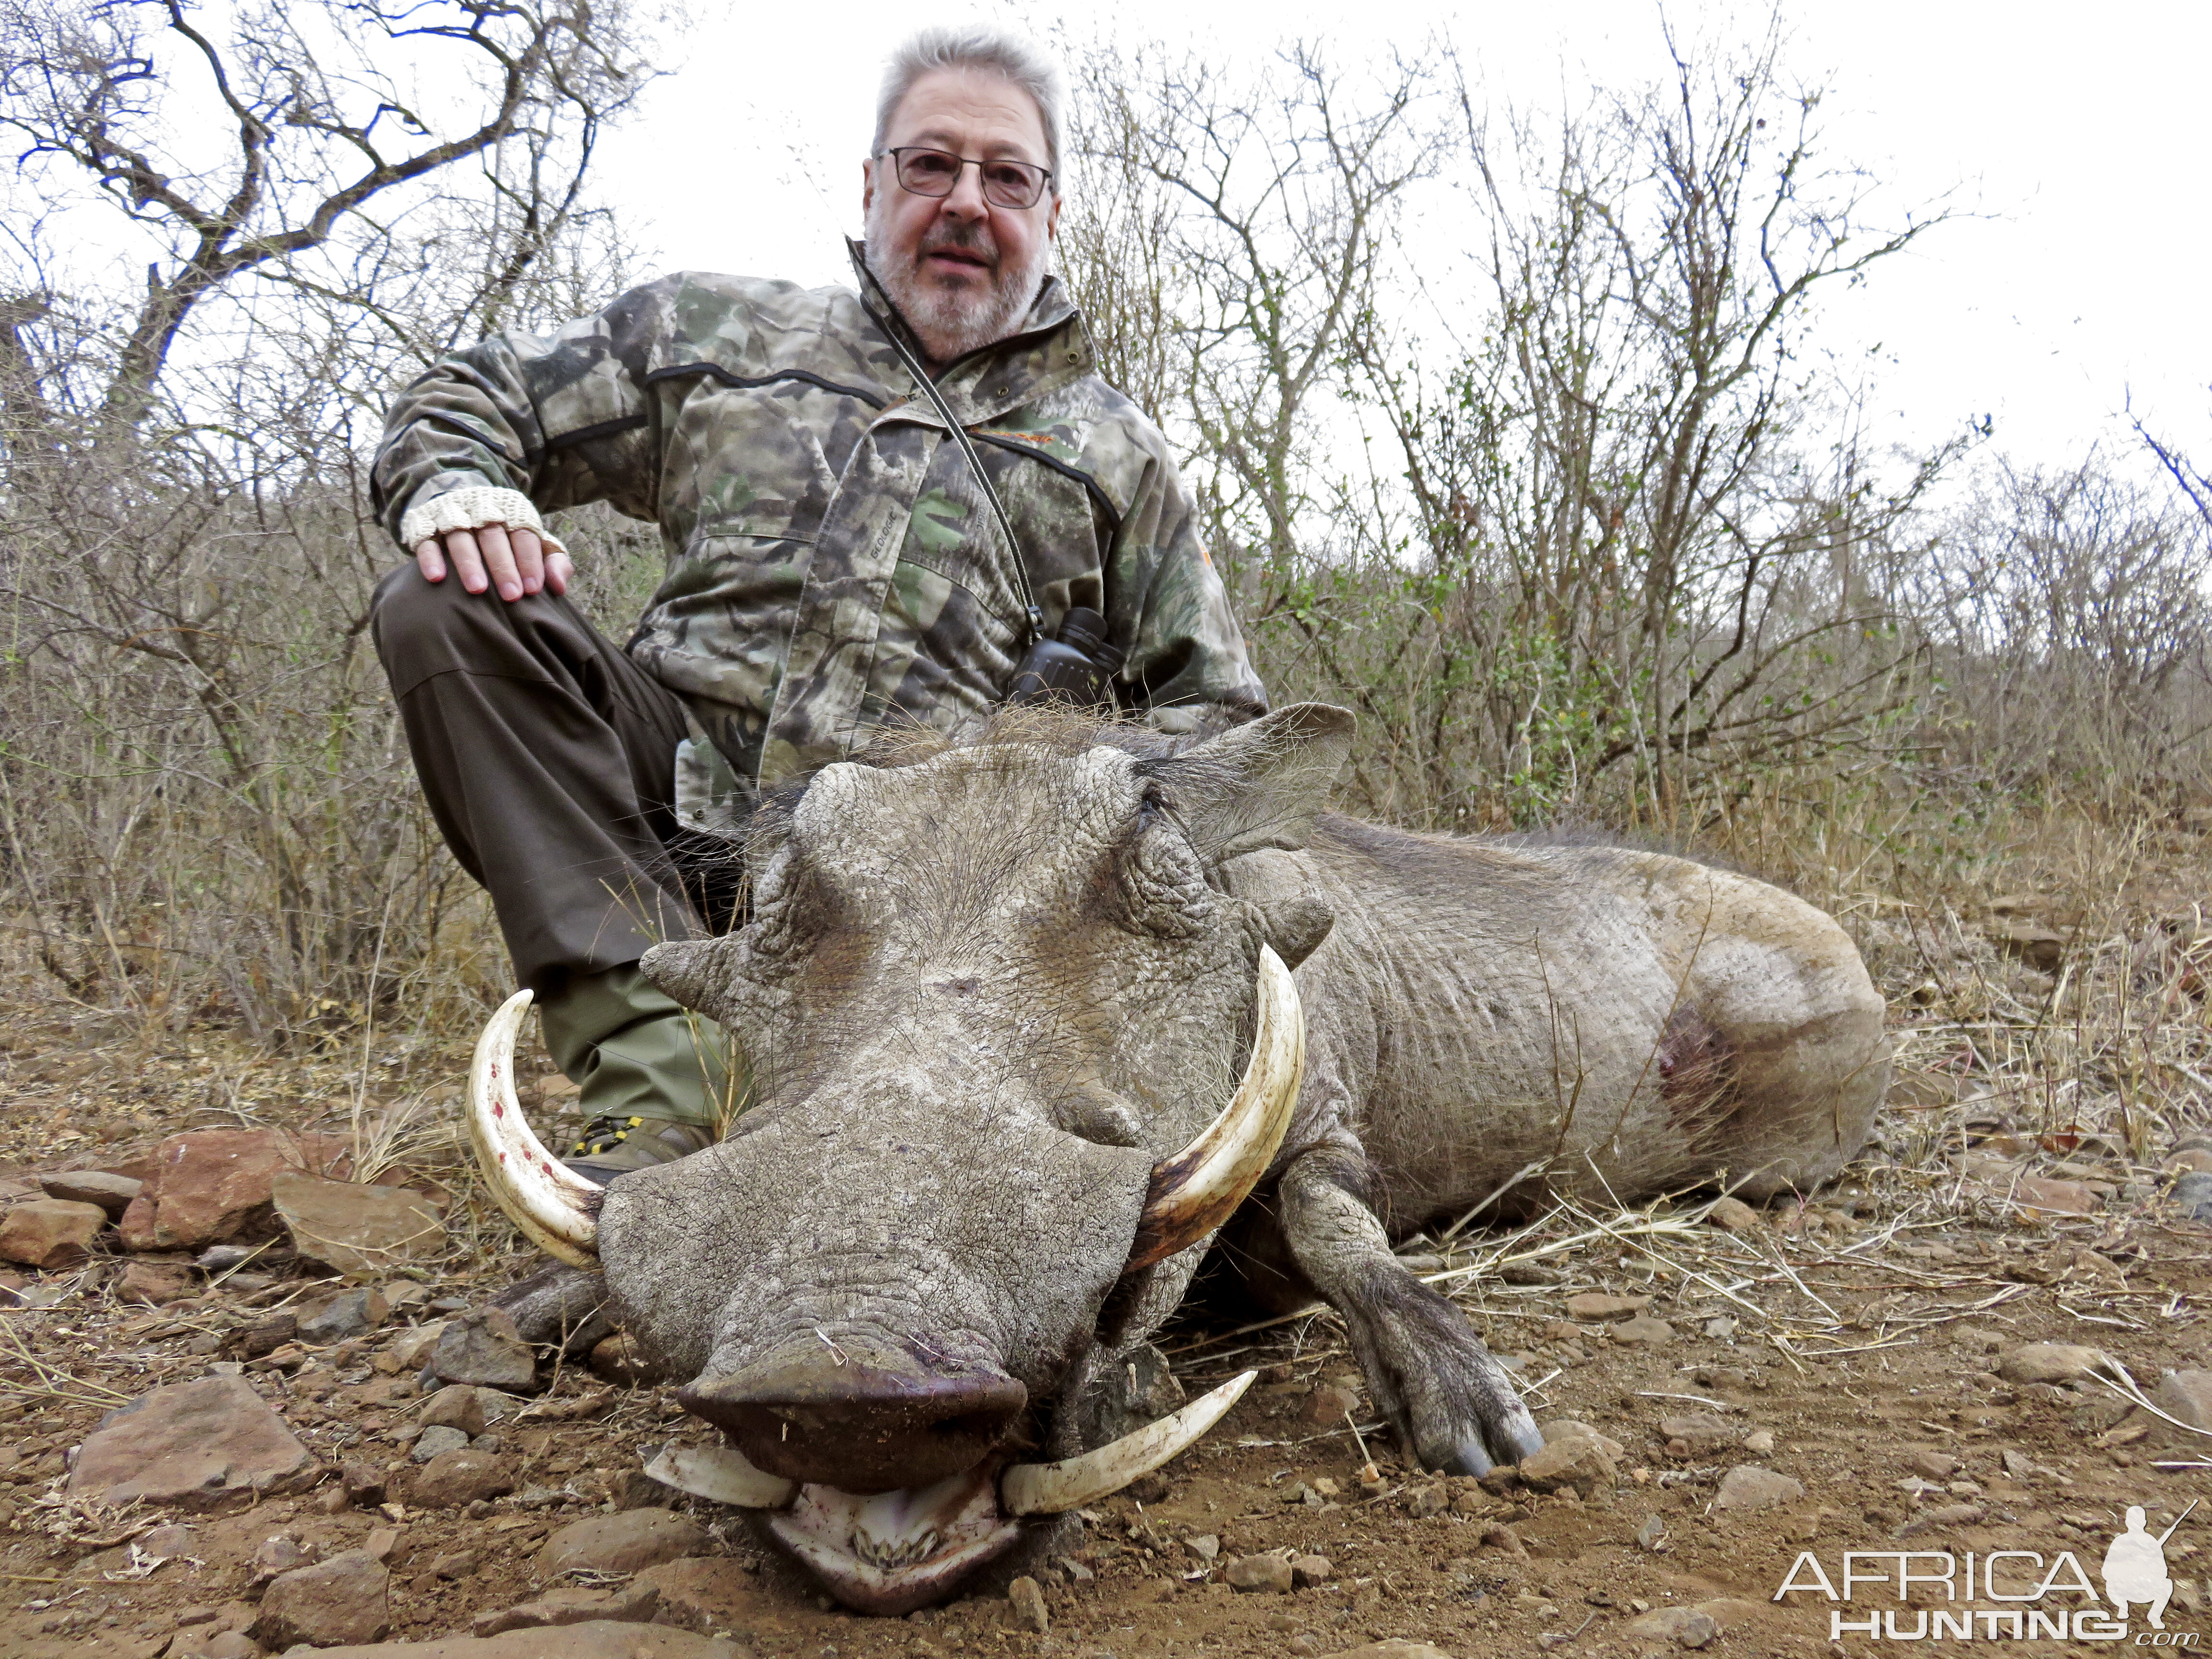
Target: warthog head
{"points": [[1015, 1051]]}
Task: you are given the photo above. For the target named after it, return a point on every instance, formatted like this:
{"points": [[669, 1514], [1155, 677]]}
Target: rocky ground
{"points": [[255, 1403]]}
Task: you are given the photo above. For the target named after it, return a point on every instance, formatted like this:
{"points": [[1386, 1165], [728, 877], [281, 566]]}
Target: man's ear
{"points": [[1258, 786], [694, 971]]}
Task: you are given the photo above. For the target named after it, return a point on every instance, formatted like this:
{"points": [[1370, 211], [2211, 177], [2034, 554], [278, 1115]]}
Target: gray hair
{"points": [[977, 46]]}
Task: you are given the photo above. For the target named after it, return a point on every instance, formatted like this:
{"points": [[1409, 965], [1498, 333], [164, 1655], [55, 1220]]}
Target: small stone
{"points": [[1028, 1601], [453, 1407], [619, 1359], [632, 1604], [112, 1192], [2186, 1395], [1565, 1428], [2192, 1196], [1576, 1461], [381, 1541], [174, 1539], [1643, 1331], [192, 1444], [279, 1553], [1932, 1465], [265, 1338], [1529, 1272], [435, 1441], [1206, 1546], [1759, 1442], [1077, 1572], [1591, 1308], [483, 1349], [1651, 1536], [707, 1592], [1701, 1432], [152, 1283], [2054, 1362], [625, 1543], [346, 1599], [1307, 1569], [353, 1314], [1684, 1625], [1328, 1406], [2038, 1197], [50, 1232], [363, 1232], [1746, 1486], [1271, 1573], [1732, 1215], [1396, 1648], [1720, 1328], [455, 1478], [363, 1484], [1502, 1537]]}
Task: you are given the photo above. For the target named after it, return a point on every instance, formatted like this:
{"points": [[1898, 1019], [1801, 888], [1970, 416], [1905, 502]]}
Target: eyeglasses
{"points": [[936, 173]]}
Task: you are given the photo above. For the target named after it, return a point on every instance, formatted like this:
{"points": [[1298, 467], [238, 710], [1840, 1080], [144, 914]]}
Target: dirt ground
{"points": [[1838, 1343]]}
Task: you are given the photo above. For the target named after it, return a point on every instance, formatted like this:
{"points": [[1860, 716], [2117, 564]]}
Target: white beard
{"points": [[951, 322]]}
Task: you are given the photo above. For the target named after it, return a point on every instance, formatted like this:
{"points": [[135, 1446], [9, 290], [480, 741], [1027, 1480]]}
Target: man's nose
{"points": [[967, 197]]}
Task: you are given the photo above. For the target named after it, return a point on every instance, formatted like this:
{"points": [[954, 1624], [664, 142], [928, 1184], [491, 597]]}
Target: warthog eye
{"points": [[1162, 884]]}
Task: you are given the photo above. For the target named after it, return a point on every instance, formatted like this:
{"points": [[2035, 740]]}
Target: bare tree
{"points": [[338, 111]]}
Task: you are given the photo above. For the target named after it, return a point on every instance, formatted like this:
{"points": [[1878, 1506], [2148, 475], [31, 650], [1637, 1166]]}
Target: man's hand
{"points": [[514, 562]]}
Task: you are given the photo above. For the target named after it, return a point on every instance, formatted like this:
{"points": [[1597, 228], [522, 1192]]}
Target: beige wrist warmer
{"points": [[472, 509]]}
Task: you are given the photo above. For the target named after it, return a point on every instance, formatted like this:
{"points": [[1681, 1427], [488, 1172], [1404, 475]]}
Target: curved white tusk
{"points": [[1194, 1192], [1054, 1488], [556, 1208], [721, 1475]]}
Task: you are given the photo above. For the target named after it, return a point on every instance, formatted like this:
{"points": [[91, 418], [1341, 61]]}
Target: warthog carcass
{"points": [[989, 990]]}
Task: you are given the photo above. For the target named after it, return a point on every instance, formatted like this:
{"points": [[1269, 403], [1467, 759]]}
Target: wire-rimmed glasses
{"points": [[1006, 183]]}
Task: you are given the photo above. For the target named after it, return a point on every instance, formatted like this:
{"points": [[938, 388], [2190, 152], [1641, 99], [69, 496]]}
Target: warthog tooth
{"points": [[556, 1208], [721, 1475], [1054, 1488], [1194, 1192]]}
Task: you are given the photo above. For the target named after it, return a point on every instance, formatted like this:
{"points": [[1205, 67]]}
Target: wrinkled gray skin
{"points": [[985, 990]]}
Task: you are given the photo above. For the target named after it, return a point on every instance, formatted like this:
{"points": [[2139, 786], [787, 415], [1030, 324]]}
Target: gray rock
{"points": [[354, 1314], [454, 1407], [193, 1444], [484, 1350], [1684, 1626], [347, 1598], [2192, 1195], [435, 1441], [1573, 1460], [2053, 1362], [2186, 1395], [454, 1478], [1702, 1431], [632, 1604], [1746, 1486], [363, 1232], [1027, 1600], [1271, 1573], [112, 1192], [1643, 1331], [1312, 1570], [627, 1542]]}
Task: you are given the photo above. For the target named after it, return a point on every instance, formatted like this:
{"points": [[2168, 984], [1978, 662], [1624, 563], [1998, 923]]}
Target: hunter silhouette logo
{"points": [[2135, 1568], [2024, 1595]]}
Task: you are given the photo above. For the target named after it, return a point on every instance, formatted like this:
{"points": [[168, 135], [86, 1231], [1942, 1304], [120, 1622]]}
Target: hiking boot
{"points": [[656, 1081], [612, 1144]]}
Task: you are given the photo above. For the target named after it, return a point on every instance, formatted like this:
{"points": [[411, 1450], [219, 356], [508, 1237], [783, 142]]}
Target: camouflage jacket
{"points": [[830, 562]]}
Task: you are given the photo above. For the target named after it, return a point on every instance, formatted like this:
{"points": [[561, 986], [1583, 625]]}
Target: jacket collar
{"points": [[1051, 348]]}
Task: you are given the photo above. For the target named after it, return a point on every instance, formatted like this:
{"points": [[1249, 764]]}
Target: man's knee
{"points": [[423, 628]]}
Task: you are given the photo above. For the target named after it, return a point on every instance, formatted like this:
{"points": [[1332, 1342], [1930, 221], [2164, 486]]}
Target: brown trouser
{"points": [[549, 762]]}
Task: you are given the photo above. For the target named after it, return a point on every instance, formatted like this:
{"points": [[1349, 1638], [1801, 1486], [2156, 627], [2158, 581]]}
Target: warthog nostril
{"points": [[861, 1426]]}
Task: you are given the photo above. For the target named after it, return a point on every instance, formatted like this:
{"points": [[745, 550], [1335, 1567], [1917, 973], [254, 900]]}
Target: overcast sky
{"points": [[2076, 137]]}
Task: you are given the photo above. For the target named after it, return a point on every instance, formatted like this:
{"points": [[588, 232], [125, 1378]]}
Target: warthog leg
{"points": [[1449, 1401]]}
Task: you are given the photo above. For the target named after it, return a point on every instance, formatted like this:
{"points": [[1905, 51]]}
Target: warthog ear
{"points": [[692, 970], [1260, 786]]}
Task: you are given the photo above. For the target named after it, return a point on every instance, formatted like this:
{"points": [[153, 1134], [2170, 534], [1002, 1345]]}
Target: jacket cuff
{"points": [[472, 509]]}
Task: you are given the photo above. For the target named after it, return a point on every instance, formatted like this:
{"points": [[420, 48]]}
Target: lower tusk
{"points": [[720, 1476], [1054, 1488], [556, 1209]]}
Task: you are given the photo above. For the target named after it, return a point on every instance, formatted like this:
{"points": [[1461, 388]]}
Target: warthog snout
{"points": [[859, 1422]]}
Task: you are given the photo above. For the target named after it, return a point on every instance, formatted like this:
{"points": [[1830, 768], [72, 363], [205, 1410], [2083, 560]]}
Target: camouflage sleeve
{"points": [[564, 417], [1186, 657]]}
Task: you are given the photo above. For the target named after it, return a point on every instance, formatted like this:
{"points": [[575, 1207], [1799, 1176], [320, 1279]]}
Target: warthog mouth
{"points": [[889, 1552]]}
